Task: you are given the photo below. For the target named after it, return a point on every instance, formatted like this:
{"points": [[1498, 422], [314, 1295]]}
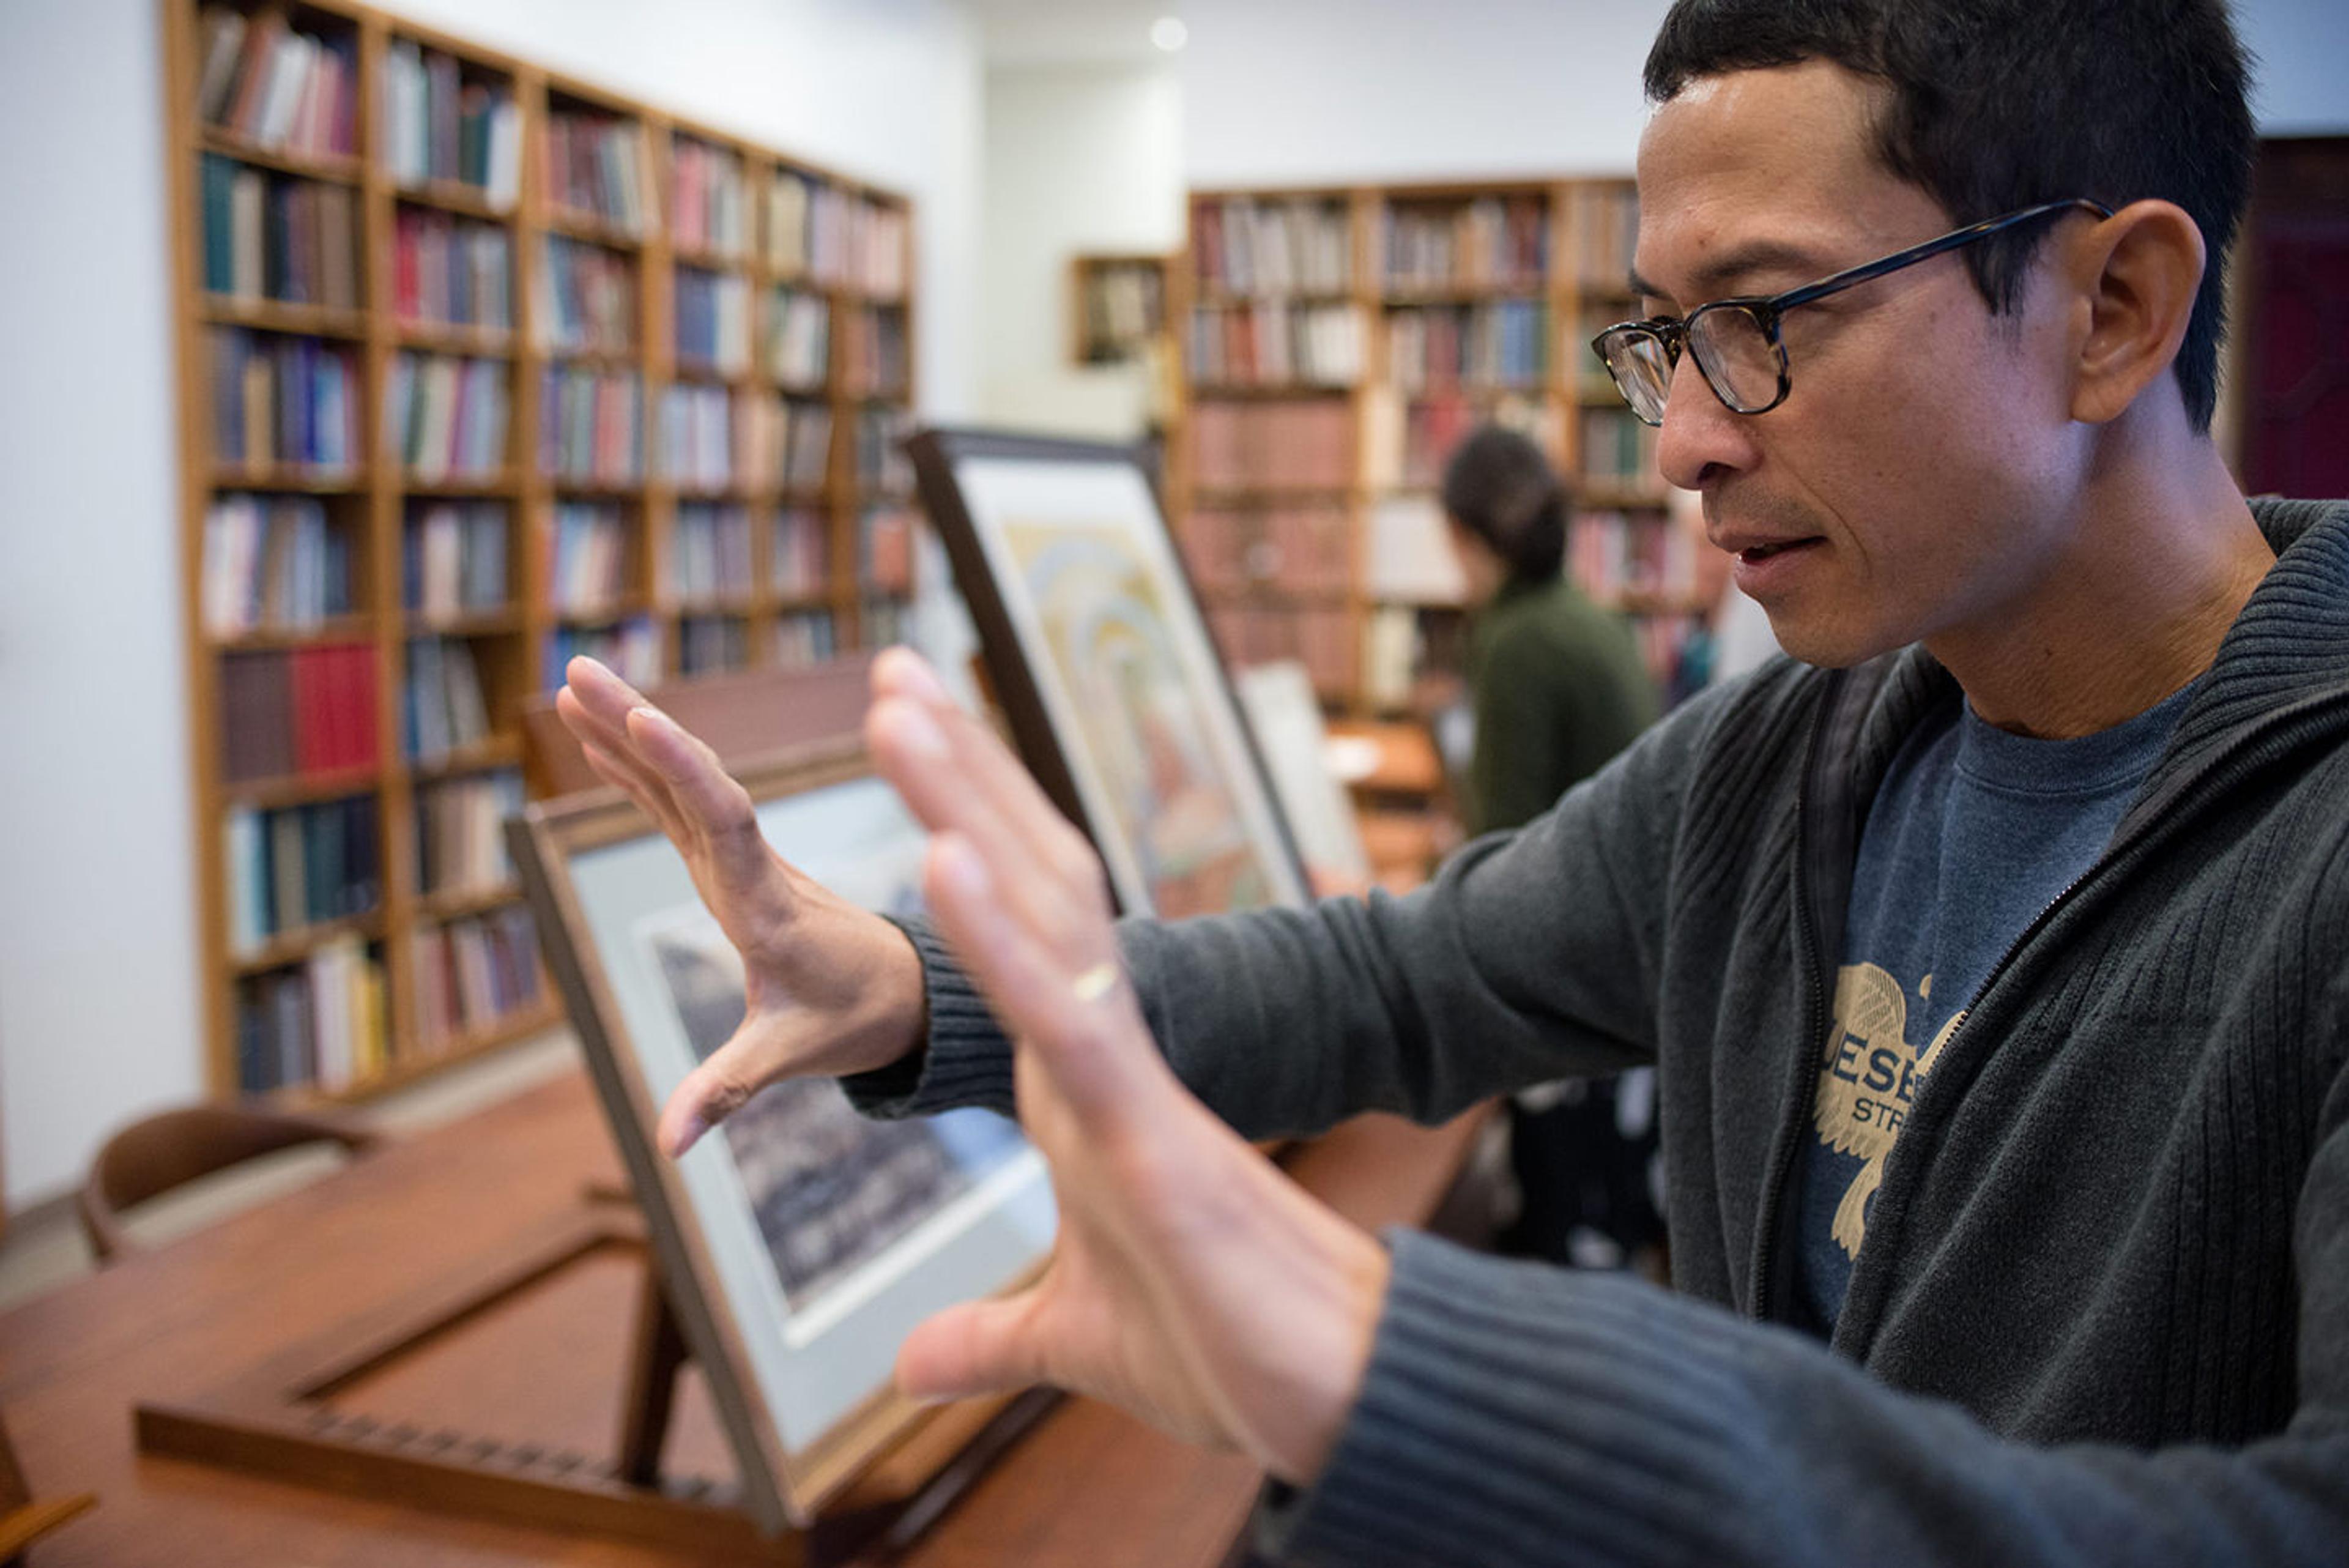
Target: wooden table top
{"points": [[1088, 1485]]}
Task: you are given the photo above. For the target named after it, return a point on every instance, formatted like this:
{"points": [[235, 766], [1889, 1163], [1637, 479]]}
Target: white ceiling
{"points": [[1070, 32]]}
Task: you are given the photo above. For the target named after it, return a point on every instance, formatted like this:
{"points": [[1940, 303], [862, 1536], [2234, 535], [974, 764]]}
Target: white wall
{"points": [[1079, 158], [1306, 91], [99, 1000]]}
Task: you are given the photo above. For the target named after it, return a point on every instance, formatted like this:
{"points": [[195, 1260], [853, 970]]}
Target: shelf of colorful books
{"points": [[339, 171], [493, 751], [280, 476], [293, 946], [457, 199], [456, 903], [1621, 498], [275, 315], [333, 629], [502, 485], [497, 622], [587, 227], [299, 789], [412, 1063], [476, 342]]}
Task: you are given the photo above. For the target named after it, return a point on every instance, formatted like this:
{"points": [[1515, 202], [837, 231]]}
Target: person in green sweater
{"points": [[1556, 682], [1556, 687]]}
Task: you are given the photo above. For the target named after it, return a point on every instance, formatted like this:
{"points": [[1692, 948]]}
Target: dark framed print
{"points": [[1105, 670]]}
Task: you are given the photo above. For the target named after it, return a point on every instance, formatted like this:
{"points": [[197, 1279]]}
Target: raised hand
{"points": [[829, 988], [1192, 1284]]}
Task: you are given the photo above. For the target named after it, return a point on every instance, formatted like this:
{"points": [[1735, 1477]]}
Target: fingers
{"points": [[980, 775], [1068, 1003], [706, 795], [707, 1095], [978, 1347]]}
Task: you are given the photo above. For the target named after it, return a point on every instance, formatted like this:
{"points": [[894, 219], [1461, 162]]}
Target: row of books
{"points": [[589, 294], [883, 620], [1123, 304], [710, 554], [320, 1024], [448, 271], [797, 331], [440, 127], [1273, 343], [1606, 225], [267, 82], [873, 352], [806, 638], [296, 865], [1408, 554], [783, 442], [712, 644], [698, 428], [278, 237], [1489, 242], [713, 322], [591, 425], [289, 711], [1241, 245], [469, 973], [708, 208], [1292, 443], [443, 708], [1286, 548], [593, 164], [800, 559], [631, 648], [836, 237], [881, 465], [590, 555], [1612, 555], [1315, 635], [447, 416], [454, 559], [272, 563], [884, 549], [280, 399], [1618, 451], [460, 839], [1503, 343]]}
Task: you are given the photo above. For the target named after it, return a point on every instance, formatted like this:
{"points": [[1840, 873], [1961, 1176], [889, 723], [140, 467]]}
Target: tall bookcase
{"points": [[481, 367], [1336, 343]]}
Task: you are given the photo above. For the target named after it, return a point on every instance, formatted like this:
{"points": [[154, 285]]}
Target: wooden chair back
{"points": [[171, 1148]]}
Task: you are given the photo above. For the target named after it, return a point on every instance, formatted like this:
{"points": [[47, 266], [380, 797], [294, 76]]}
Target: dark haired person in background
{"points": [[1990, 950], [1556, 688]]}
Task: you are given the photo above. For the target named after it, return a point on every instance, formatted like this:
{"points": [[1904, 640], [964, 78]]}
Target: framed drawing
{"points": [[1095, 646], [800, 1243]]}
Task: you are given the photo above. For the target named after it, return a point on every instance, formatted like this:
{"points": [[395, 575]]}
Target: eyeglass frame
{"points": [[1768, 310]]}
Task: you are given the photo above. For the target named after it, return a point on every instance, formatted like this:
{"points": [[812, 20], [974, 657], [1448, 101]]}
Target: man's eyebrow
{"points": [[1716, 277]]}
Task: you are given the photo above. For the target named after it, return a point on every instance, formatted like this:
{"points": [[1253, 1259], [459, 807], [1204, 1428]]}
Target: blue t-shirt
{"points": [[1973, 831]]}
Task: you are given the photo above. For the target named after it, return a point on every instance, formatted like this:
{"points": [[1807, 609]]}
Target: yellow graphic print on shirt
{"points": [[1868, 1075]]}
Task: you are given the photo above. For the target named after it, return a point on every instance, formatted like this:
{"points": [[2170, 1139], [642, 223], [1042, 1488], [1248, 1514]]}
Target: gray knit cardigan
{"points": [[2102, 1315]]}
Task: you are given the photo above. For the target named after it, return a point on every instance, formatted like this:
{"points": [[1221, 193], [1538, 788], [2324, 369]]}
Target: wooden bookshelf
{"points": [[371, 228], [1336, 343]]}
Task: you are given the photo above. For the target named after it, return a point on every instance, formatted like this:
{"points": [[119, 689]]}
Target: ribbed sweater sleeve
{"points": [[1517, 1413], [1532, 956]]}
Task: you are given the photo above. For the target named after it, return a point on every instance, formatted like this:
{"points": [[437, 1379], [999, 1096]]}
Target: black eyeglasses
{"points": [[1736, 341]]}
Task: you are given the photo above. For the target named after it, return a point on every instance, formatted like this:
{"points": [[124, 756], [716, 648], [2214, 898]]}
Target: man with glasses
{"points": [[1990, 951]]}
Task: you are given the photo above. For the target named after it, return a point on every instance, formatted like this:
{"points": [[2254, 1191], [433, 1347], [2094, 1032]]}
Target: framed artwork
{"points": [[798, 1243], [1104, 668]]}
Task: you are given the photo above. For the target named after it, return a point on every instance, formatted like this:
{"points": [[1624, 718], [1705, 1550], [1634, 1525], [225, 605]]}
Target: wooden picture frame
{"points": [[1106, 670], [793, 1316]]}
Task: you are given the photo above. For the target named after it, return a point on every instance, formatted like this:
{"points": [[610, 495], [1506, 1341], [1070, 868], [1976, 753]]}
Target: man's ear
{"points": [[2137, 272]]}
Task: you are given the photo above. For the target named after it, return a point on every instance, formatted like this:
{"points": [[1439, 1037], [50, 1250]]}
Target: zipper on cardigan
{"points": [[2280, 733]]}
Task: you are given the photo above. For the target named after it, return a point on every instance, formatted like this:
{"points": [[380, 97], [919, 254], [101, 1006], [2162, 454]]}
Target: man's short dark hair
{"points": [[1500, 487], [1999, 104]]}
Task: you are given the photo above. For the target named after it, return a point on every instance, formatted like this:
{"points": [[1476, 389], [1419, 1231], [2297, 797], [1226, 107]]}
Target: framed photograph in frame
{"points": [[1105, 667], [798, 1242]]}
